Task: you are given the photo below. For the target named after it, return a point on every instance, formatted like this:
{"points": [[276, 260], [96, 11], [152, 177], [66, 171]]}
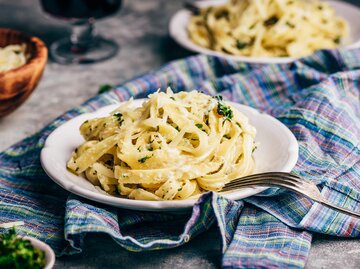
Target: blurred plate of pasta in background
{"points": [[277, 150], [266, 31]]}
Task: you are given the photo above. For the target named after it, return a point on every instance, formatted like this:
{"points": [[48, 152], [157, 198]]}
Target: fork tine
{"points": [[284, 177], [274, 182], [273, 174], [267, 180], [278, 185]]}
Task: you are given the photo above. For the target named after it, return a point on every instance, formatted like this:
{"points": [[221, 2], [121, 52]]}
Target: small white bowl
{"points": [[49, 253], [179, 22]]}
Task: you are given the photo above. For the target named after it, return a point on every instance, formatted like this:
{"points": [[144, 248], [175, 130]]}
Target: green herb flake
{"points": [[238, 124], [222, 14], [143, 159], [337, 40], [104, 88], [290, 24], [16, 252], [271, 21], [173, 98], [199, 125], [119, 117], [241, 45], [225, 51], [254, 148], [223, 109]]}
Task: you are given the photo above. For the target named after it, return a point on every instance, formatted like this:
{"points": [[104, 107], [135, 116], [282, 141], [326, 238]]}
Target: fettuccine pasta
{"points": [[12, 56], [268, 28], [175, 146]]}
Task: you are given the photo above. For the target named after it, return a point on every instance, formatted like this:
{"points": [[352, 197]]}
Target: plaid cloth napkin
{"points": [[317, 97]]}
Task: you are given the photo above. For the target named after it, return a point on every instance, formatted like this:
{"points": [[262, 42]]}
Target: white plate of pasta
{"points": [[162, 153], [266, 31]]}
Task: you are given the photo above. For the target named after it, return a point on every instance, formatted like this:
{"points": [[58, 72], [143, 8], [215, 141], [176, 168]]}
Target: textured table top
{"points": [[141, 30]]}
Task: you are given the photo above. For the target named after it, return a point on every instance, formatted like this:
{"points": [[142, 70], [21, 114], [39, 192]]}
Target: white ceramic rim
{"points": [[156, 205], [179, 34], [49, 253]]}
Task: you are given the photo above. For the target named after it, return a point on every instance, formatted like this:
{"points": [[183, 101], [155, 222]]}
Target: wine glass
{"points": [[82, 46]]}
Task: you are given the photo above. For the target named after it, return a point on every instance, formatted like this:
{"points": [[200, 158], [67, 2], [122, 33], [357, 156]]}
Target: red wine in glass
{"points": [[82, 46]]}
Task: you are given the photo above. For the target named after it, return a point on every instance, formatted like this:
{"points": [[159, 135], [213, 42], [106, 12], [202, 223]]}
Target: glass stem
{"points": [[82, 35]]}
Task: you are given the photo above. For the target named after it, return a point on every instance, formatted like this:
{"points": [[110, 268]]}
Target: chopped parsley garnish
{"points": [[222, 14], [199, 125], [223, 109], [172, 98], [254, 148], [290, 24], [241, 45], [225, 50], [16, 252], [104, 88], [143, 159], [271, 21], [337, 40], [238, 124], [119, 117]]}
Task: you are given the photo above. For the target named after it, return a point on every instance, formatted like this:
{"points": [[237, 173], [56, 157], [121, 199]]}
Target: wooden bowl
{"points": [[16, 85]]}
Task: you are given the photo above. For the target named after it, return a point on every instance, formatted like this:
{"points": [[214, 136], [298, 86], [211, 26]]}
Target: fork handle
{"points": [[339, 208], [321, 200], [313, 196]]}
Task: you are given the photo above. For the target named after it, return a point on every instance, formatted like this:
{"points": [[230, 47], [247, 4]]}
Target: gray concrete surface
{"points": [[141, 30]]}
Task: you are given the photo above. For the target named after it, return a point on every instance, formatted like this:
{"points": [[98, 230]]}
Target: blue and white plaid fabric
{"points": [[317, 97]]}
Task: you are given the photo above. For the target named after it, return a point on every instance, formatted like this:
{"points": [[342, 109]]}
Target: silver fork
{"points": [[288, 181]]}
